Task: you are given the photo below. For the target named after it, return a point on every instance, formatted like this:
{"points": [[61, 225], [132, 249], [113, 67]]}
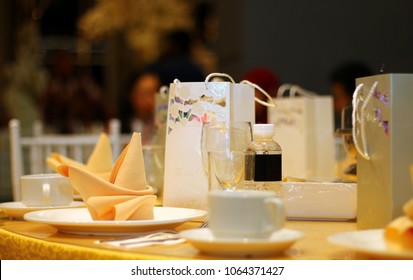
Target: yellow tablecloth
{"points": [[26, 240]]}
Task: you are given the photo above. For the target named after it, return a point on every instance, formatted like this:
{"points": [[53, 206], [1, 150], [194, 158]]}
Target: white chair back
{"points": [[28, 154]]}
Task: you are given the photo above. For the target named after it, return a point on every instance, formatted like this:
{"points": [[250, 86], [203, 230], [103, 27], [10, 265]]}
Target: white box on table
{"points": [[320, 201]]}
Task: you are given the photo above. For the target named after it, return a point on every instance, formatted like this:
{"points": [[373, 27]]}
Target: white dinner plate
{"points": [[79, 221], [204, 240], [16, 209], [370, 242]]}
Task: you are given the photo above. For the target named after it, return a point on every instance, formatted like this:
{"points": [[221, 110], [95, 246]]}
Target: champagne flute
{"points": [[224, 136]]}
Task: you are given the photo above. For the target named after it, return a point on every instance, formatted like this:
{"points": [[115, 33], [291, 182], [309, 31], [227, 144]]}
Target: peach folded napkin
{"points": [[100, 161], [399, 232], [125, 196]]}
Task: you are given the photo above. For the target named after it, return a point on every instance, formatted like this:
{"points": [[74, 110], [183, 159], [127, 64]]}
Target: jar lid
{"points": [[267, 128]]}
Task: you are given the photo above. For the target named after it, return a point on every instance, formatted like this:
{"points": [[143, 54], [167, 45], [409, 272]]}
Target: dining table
{"points": [[20, 239]]}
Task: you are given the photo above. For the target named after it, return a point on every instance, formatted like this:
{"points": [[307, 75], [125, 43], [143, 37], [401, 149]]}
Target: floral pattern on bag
{"points": [[375, 115], [191, 107]]}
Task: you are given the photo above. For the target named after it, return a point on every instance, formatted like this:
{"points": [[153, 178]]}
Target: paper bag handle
{"points": [[223, 75], [294, 89], [363, 151], [283, 88], [163, 91], [300, 91], [268, 104]]}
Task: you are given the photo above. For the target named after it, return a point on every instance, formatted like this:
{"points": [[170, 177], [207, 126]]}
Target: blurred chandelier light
{"points": [[142, 21]]}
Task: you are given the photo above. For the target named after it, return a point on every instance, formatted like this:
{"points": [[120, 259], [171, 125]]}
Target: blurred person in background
{"points": [[72, 101], [175, 61], [269, 82], [205, 36], [343, 83], [21, 101], [138, 108], [25, 83]]}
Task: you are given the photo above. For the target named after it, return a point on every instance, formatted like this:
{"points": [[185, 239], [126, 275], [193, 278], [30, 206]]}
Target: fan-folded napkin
{"points": [[125, 196], [100, 161], [399, 232]]}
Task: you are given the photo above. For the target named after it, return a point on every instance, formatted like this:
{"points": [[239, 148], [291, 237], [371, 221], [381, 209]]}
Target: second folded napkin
{"points": [[125, 196], [100, 161], [399, 232]]}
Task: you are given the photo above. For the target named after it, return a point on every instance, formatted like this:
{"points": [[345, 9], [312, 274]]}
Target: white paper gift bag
{"points": [[304, 129], [191, 104], [383, 136]]}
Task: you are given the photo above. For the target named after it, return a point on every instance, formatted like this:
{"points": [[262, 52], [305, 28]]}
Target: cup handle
{"points": [[276, 211], [46, 194]]}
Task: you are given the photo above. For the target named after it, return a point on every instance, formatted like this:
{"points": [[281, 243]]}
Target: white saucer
{"points": [[17, 209], [370, 242], [204, 240], [79, 221]]}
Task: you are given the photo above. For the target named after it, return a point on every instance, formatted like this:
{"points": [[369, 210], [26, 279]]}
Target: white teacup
{"points": [[245, 214], [45, 190]]}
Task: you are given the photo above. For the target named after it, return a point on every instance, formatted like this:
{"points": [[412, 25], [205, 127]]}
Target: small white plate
{"points": [[17, 209], [370, 242], [79, 221], [204, 240]]}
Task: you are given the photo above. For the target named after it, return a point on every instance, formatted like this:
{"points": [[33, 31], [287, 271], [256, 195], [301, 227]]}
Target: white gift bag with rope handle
{"points": [[191, 104], [383, 136], [304, 127]]}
